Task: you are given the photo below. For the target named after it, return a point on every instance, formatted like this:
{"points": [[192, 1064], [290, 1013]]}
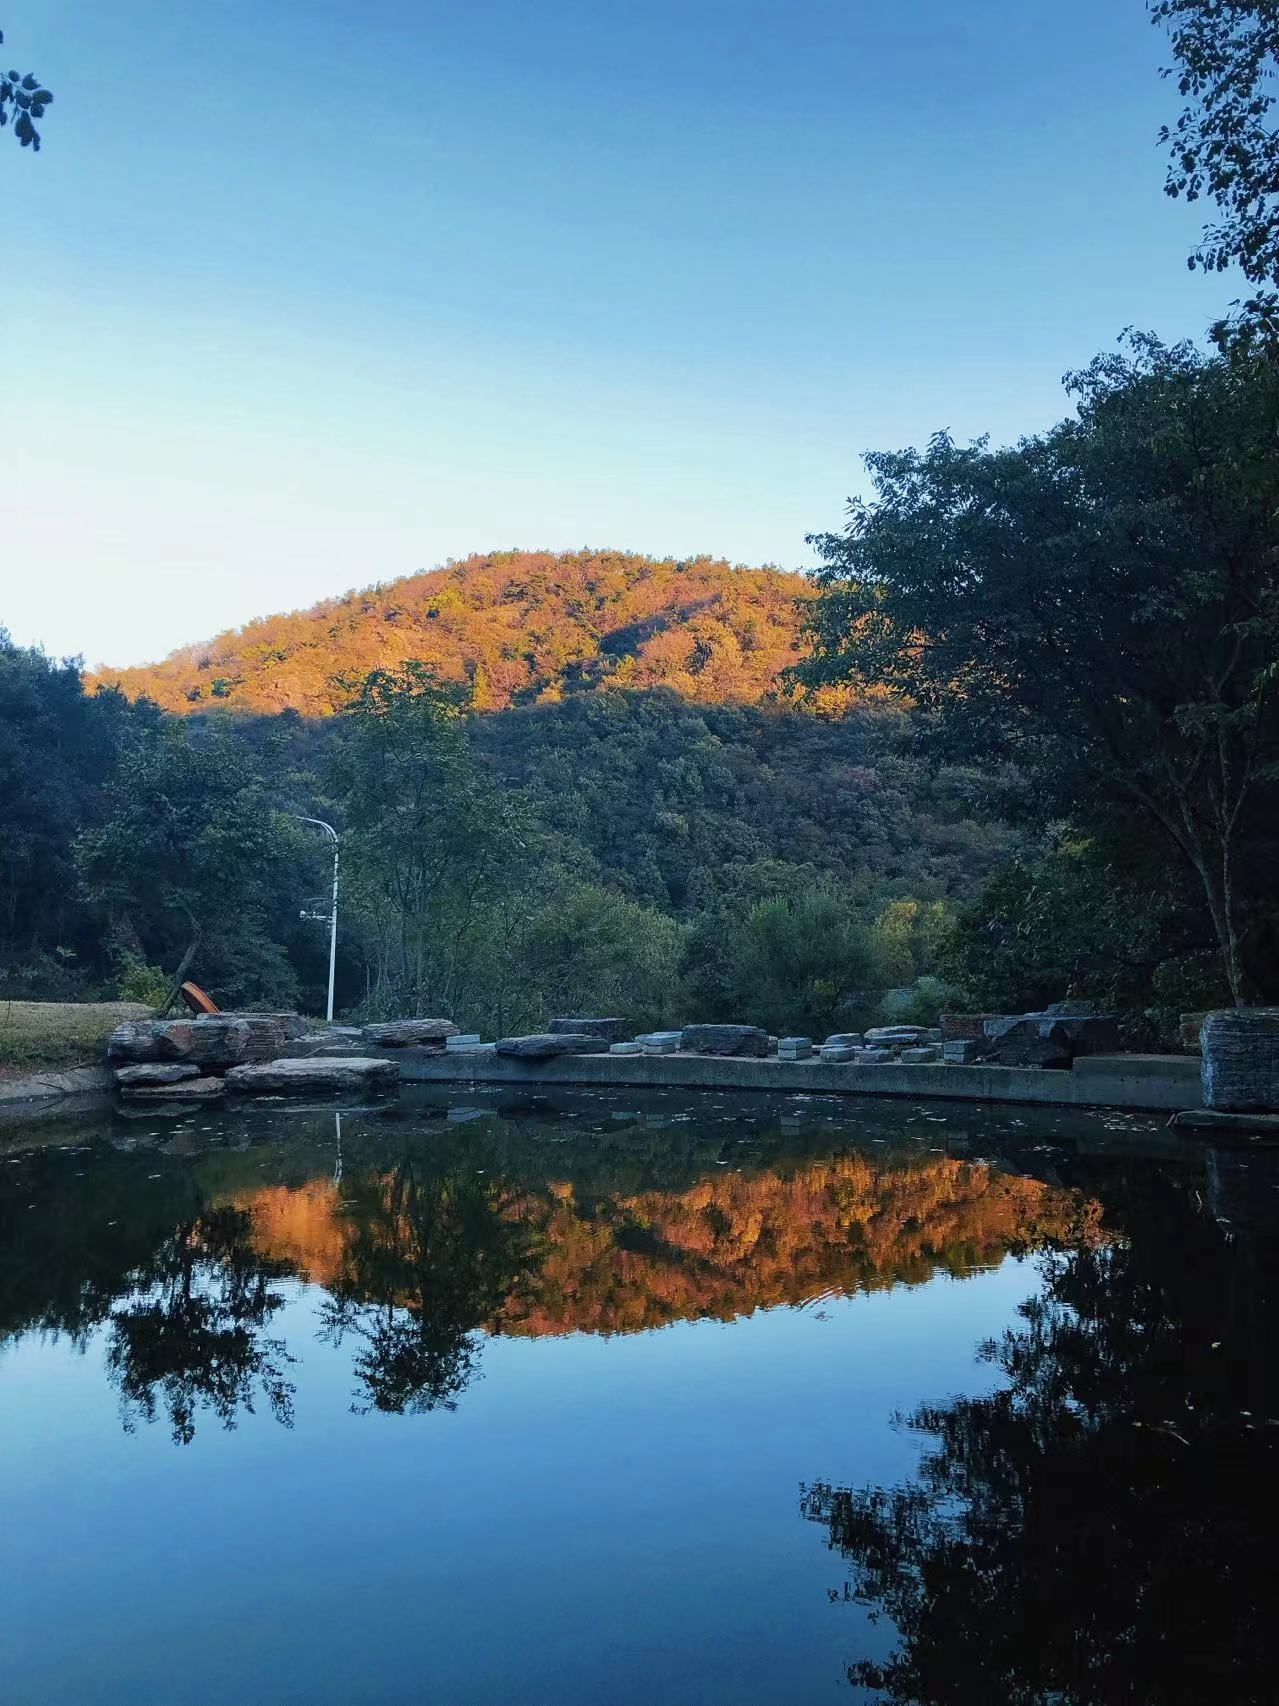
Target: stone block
{"points": [[876, 1056], [724, 1039], [794, 1048], [961, 1027], [543, 1045], [155, 1072], [1241, 1060], [289, 1077], [463, 1039], [626, 1048], [411, 1033], [883, 1036], [839, 1053], [963, 1051], [923, 1054], [845, 1039], [607, 1030], [196, 1089], [1050, 1039]]}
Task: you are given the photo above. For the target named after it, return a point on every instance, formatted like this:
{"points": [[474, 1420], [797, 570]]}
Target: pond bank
{"points": [[1160, 1083]]}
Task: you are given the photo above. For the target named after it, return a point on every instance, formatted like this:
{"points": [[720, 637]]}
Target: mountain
{"points": [[519, 626]]}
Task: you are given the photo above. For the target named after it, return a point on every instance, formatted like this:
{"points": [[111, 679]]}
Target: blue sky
{"points": [[299, 297]]}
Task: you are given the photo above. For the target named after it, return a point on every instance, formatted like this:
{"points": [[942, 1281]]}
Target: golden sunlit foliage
{"points": [[513, 626], [729, 1244]]}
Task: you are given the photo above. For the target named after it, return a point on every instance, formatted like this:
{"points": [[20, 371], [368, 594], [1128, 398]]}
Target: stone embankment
{"points": [[260, 1054]]}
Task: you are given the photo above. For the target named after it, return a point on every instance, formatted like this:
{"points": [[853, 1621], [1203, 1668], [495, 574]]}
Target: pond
{"points": [[618, 1399]]}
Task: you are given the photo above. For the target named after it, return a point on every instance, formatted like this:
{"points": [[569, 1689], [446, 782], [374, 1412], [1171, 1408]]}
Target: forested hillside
{"points": [[513, 627]]}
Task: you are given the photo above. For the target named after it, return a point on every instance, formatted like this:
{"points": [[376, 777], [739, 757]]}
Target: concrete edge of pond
{"points": [[1158, 1083], [17, 1093]]}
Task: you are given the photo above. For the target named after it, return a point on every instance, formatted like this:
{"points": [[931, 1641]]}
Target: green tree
{"points": [[24, 99], [430, 840], [187, 859], [797, 961], [1224, 144], [1097, 607], [56, 745], [591, 950]]}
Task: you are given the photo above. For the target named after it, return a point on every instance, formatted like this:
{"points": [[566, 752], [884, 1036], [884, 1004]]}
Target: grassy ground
{"points": [[48, 1036]]}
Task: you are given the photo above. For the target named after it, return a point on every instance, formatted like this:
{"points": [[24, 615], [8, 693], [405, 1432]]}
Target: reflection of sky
{"points": [[600, 1520]]}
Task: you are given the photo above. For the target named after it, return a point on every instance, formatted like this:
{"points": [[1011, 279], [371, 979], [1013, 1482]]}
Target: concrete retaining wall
{"points": [[1098, 1081]]}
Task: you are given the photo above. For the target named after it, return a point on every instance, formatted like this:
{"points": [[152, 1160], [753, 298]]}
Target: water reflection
{"points": [[427, 1234], [190, 1335], [1093, 1531], [425, 1261]]}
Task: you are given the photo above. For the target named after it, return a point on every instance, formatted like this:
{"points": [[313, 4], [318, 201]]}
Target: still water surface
{"points": [[650, 1400]]}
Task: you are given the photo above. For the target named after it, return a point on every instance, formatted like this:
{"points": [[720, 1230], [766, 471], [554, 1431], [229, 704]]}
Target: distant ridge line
{"points": [[517, 627]]}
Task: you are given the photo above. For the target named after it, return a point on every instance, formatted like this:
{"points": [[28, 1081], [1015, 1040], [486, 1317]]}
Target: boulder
{"points": [[188, 1089], [543, 1045], [410, 1033], [216, 1040], [1050, 1039], [287, 1077], [155, 1072], [140, 1040], [724, 1039], [1241, 1060], [607, 1030], [845, 1039]]}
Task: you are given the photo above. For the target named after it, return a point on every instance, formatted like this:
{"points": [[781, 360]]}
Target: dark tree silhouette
{"points": [[190, 1335], [24, 99], [1097, 1531], [432, 1259]]}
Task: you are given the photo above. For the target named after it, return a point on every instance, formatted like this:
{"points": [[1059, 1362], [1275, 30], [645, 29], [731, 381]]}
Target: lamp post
{"points": [[333, 915]]}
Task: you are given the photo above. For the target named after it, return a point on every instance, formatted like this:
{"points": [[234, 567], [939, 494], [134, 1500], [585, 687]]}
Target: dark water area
{"points": [[635, 1399]]}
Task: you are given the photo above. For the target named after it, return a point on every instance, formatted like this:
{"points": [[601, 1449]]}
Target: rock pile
{"points": [[199, 1059]]}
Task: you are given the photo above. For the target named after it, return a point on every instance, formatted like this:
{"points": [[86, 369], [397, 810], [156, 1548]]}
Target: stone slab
{"points": [[289, 1077], [731, 1040], [155, 1072], [1213, 1121], [51, 1086], [186, 1089], [607, 1030], [400, 1033]]}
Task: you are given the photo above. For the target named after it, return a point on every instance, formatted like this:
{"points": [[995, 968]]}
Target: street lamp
{"points": [[333, 915]]}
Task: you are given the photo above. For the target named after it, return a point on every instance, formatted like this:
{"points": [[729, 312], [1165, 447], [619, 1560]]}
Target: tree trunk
{"points": [[179, 977]]}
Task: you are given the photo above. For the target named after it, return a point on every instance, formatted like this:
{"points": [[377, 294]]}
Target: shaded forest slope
{"points": [[515, 626]]}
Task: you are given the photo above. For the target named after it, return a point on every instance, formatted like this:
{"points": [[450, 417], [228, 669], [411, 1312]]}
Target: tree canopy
{"points": [[1225, 144], [1097, 607], [23, 99]]}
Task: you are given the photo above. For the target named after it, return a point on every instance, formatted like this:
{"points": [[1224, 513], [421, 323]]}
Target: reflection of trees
{"points": [[427, 1261], [1094, 1532], [189, 1335]]}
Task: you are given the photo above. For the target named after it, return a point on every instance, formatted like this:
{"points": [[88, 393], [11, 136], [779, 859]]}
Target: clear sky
{"points": [[302, 296]]}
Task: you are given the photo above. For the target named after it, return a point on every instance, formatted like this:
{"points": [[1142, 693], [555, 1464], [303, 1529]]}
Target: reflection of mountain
{"points": [[728, 1244]]}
